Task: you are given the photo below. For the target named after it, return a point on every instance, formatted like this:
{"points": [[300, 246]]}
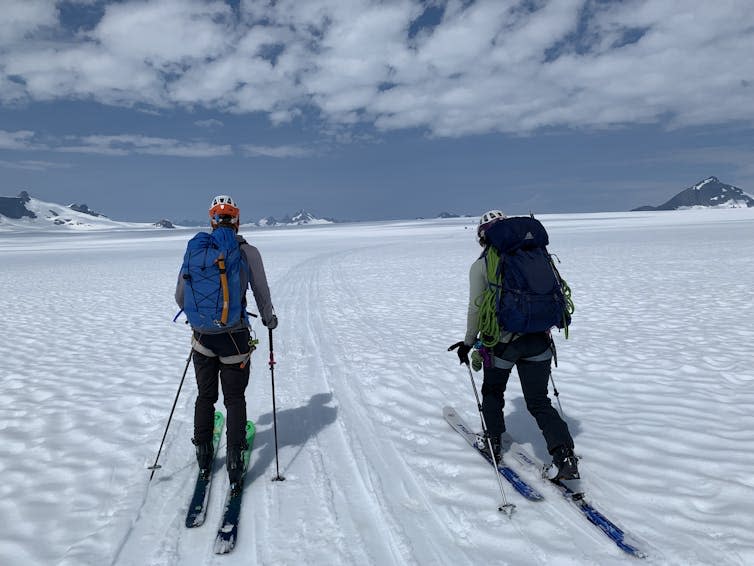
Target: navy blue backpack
{"points": [[211, 270], [530, 295]]}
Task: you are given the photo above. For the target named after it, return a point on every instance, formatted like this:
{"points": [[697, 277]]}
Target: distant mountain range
{"points": [[26, 212], [299, 218], [709, 193]]}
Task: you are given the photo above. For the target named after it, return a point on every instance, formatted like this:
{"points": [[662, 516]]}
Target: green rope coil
{"points": [[489, 328]]}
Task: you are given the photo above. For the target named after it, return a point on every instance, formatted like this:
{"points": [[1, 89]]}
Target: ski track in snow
{"points": [[656, 382]]}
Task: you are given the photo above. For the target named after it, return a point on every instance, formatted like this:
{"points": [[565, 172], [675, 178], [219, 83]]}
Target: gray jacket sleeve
{"points": [[259, 282], [477, 286], [179, 289]]}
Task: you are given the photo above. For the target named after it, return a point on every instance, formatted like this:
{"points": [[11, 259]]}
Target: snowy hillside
{"points": [[33, 214], [656, 382], [709, 193]]}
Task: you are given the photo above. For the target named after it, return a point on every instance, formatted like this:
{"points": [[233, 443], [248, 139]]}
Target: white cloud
{"points": [[211, 123], [32, 165], [491, 65], [136, 144], [22, 139], [166, 33], [276, 151], [122, 144], [25, 16], [84, 71]]}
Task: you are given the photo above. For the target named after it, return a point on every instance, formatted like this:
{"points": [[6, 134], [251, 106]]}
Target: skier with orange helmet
{"points": [[221, 342]]}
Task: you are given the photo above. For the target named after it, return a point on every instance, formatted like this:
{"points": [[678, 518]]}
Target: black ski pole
{"points": [[278, 477], [505, 507], [557, 396], [154, 467], [552, 380]]}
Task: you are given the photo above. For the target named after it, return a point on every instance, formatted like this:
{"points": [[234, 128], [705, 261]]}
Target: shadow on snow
{"points": [[295, 428], [522, 426]]}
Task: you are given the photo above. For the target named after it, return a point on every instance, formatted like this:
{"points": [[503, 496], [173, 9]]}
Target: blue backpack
{"points": [[211, 270], [530, 295]]}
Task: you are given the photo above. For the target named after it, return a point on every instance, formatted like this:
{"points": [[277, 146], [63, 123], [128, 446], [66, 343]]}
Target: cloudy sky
{"points": [[365, 109]]}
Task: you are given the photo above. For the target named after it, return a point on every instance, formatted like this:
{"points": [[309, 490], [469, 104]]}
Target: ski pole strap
{"points": [[177, 315]]}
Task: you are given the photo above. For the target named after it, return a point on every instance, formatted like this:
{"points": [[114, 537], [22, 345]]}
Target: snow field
{"points": [[656, 382]]}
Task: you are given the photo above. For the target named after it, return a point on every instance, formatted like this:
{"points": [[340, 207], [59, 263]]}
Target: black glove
{"points": [[463, 351], [272, 324]]}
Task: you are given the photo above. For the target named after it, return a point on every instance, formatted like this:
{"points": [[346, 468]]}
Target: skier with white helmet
{"points": [[530, 353]]}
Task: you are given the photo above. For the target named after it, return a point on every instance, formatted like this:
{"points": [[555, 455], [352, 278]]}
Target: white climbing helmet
{"points": [[223, 210], [487, 220], [222, 199]]}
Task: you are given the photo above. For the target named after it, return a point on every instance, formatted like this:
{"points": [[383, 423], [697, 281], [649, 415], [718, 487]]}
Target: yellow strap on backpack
{"points": [[224, 285]]}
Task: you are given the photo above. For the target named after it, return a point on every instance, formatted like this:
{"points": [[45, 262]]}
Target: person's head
{"points": [[487, 219], [224, 212]]}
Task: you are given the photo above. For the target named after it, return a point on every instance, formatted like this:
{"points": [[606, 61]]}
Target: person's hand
{"points": [[272, 324], [463, 351]]}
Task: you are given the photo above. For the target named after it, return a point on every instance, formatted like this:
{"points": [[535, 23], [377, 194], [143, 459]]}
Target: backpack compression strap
{"points": [[224, 285]]}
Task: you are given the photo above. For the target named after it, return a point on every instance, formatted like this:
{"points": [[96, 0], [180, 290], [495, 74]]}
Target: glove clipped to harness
{"points": [[477, 361], [463, 351]]}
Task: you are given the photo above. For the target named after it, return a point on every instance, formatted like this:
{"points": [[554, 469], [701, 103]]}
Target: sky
{"points": [[361, 110]]}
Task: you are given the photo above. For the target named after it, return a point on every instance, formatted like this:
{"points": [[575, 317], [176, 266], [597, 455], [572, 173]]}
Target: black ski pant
{"points": [[531, 356], [233, 378]]}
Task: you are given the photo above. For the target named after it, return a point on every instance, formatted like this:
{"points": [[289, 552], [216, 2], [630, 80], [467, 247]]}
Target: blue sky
{"points": [[359, 109]]}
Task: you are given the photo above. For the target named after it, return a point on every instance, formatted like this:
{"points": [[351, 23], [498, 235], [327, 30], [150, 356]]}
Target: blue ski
{"points": [[228, 531], [198, 507], [460, 426], [578, 499]]}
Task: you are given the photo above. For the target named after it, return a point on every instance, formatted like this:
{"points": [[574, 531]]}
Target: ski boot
{"points": [[496, 447], [566, 464], [205, 452], [234, 463]]}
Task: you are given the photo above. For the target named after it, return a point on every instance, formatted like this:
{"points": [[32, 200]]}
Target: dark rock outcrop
{"points": [[14, 207], [84, 209]]}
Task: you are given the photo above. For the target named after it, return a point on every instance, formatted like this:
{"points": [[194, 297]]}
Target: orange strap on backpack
{"points": [[224, 285]]}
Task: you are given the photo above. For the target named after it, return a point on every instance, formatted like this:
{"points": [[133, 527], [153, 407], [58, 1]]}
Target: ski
{"points": [[228, 531], [198, 507], [460, 426], [577, 499]]}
